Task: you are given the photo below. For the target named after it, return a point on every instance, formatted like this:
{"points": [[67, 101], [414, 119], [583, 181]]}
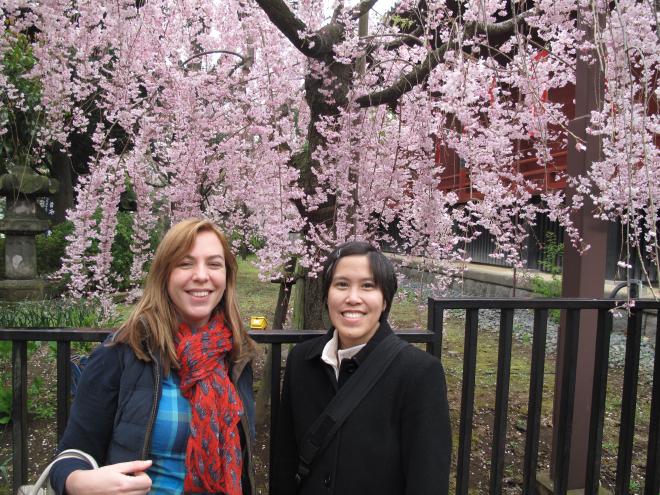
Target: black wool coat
{"points": [[397, 441]]}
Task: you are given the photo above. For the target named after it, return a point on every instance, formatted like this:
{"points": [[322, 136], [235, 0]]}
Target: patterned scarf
{"points": [[214, 460]]}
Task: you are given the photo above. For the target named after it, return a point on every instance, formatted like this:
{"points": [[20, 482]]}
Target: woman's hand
{"points": [[124, 477]]}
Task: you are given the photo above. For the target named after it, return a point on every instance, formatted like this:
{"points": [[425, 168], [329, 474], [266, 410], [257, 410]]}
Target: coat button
{"points": [[326, 481]]}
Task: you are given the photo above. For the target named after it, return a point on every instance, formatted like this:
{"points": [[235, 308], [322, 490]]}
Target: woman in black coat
{"points": [[397, 440]]}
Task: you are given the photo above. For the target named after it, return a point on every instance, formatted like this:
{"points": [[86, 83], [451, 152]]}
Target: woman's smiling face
{"points": [[197, 282], [355, 303]]}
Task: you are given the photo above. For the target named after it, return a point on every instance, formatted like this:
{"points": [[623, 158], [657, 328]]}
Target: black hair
{"points": [[381, 267]]}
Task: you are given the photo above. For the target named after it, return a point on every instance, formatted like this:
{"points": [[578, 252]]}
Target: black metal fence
{"points": [[573, 310], [433, 340], [64, 336]]}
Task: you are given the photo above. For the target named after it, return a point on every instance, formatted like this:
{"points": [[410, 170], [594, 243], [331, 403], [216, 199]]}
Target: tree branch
{"points": [[410, 39], [364, 7], [290, 26], [209, 52], [499, 30], [406, 82], [395, 44], [421, 71]]}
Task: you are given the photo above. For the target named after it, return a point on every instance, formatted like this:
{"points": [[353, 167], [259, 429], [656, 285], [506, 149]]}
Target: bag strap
{"points": [[345, 401], [65, 454]]}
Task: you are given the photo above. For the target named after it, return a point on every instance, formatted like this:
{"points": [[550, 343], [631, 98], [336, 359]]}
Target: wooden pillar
{"points": [[583, 275]]}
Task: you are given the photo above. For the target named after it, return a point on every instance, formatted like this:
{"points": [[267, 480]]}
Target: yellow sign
{"points": [[258, 322]]}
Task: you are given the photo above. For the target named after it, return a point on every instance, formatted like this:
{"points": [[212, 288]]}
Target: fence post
{"points": [[535, 399], [435, 325], [629, 402], [19, 413], [63, 385], [561, 449], [467, 402], [276, 363], [653, 454]]}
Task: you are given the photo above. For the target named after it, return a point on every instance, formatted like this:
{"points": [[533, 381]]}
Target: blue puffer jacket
{"points": [[116, 403]]}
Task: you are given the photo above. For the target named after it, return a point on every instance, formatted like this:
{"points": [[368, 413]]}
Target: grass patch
{"points": [[255, 297], [407, 312]]}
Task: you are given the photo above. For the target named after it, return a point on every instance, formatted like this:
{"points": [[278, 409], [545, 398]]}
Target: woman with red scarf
{"points": [[166, 405]]}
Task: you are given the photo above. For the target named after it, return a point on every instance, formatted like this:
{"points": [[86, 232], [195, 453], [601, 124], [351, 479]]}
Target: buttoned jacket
{"points": [[116, 403], [397, 441]]}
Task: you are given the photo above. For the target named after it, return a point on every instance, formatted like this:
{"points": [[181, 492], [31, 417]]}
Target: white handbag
{"points": [[42, 486]]}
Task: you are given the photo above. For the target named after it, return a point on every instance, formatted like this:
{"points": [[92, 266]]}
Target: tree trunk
{"points": [[314, 306], [298, 300], [61, 170]]}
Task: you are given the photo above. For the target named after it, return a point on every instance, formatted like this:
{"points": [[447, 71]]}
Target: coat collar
{"points": [[239, 365], [383, 331], [317, 348]]}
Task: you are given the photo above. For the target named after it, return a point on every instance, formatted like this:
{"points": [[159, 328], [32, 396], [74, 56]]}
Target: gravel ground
{"points": [[522, 330]]}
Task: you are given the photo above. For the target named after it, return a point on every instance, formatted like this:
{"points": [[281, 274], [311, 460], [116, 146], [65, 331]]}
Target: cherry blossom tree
{"points": [[286, 121]]}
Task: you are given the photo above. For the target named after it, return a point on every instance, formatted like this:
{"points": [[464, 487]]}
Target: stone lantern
{"points": [[24, 219]]}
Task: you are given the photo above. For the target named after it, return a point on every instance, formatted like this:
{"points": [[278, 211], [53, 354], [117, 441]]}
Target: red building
{"points": [[455, 177]]}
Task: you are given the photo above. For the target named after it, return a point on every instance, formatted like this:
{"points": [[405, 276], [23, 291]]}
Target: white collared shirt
{"points": [[333, 356]]}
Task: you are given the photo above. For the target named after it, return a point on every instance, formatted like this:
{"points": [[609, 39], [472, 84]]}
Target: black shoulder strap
{"points": [[347, 398]]}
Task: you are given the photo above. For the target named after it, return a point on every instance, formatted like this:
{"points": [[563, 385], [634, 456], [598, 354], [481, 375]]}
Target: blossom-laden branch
{"points": [[211, 52], [292, 27], [494, 32]]}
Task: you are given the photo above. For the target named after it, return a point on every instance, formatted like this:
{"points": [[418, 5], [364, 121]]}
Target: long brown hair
{"points": [[154, 320]]}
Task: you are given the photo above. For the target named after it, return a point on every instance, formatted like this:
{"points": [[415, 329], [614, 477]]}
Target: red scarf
{"points": [[214, 460]]}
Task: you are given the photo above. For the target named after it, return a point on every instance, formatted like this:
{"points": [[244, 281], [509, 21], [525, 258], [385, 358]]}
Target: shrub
{"points": [[552, 250], [122, 256], [43, 314], [52, 314], [51, 246], [246, 243], [552, 253]]}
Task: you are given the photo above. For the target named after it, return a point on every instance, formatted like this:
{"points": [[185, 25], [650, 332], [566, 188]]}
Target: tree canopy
{"points": [[279, 118]]}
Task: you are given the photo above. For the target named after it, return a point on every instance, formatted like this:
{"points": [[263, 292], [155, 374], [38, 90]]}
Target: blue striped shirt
{"points": [[169, 439]]}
